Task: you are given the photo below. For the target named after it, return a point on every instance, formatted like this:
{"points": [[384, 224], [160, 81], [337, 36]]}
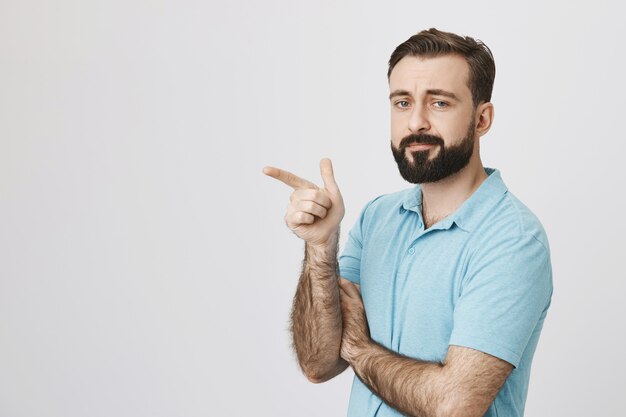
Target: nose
{"points": [[418, 120]]}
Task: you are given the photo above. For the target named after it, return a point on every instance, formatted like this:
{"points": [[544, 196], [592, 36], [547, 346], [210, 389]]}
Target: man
{"points": [[442, 288]]}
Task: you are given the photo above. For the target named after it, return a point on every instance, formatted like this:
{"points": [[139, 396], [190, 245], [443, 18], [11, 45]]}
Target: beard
{"points": [[448, 161]]}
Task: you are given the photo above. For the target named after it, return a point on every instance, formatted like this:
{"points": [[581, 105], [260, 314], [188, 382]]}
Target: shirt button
{"points": [[411, 251]]}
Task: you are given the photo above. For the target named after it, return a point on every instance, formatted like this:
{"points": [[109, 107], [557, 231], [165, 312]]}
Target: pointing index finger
{"points": [[288, 178]]}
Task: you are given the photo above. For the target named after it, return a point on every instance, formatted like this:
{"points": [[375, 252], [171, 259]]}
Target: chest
{"points": [[410, 281]]}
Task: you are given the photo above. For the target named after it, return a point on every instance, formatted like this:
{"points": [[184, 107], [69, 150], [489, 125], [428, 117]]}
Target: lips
{"points": [[419, 146], [422, 139]]}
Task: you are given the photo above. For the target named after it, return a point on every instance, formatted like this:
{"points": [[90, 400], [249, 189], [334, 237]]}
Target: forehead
{"points": [[418, 74]]}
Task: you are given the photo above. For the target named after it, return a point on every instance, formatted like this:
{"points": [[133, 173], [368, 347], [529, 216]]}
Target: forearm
{"points": [[413, 387], [464, 386], [316, 316]]}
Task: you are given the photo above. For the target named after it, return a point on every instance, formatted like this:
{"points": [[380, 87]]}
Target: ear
{"points": [[484, 118]]}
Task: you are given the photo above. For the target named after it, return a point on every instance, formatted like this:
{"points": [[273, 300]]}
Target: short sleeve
{"points": [[350, 259], [504, 295]]}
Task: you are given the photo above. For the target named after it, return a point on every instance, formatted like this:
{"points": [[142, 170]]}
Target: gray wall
{"points": [[145, 269]]}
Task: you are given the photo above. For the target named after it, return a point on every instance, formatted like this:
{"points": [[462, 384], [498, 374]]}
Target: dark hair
{"points": [[432, 42]]}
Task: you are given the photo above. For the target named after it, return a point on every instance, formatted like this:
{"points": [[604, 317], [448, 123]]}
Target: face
{"points": [[433, 118]]}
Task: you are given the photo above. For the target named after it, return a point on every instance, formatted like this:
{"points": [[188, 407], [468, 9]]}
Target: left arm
{"points": [[464, 385]]}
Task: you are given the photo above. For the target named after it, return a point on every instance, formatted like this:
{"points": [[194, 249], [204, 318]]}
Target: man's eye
{"points": [[440, 104], [403, 104]]}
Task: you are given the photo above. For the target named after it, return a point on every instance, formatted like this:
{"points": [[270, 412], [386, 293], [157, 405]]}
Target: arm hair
{"points": [[316, 314]]}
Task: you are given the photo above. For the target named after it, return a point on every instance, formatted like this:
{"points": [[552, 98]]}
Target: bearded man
{"points": [[439, 297]]}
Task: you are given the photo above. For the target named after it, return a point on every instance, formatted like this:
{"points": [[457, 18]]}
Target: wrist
{"points": [[326, 245]]}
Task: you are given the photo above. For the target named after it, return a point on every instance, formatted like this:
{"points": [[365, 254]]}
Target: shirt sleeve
{"points": [[349, 265], [503, 296]]}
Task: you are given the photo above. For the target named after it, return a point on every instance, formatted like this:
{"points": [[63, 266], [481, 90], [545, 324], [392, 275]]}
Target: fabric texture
{"points": [[480, 278]]}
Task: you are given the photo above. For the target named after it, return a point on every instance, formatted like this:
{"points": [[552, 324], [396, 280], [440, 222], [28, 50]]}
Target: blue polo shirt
{"points": [[480, 278]]}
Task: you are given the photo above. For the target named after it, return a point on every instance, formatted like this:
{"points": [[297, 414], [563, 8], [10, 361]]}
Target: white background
{"points": [[145, 269]]}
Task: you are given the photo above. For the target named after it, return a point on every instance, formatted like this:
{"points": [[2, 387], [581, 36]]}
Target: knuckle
{"points": [[300, 194]]}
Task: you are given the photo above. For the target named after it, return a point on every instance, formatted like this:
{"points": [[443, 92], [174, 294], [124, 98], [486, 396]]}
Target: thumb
{"points": [[328, 176]]}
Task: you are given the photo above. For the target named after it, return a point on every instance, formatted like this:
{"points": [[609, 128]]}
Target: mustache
{"points": [[421, 139]]}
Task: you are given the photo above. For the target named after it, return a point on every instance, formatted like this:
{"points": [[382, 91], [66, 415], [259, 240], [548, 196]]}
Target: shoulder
{"points": [[509, 249], [510, 219], [511, 246]]}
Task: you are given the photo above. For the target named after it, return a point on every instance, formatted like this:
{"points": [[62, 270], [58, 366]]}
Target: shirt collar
{"points": [[473, 210]]}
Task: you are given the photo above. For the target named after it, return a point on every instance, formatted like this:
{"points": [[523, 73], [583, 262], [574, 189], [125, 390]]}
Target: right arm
{"points": [[314, 215], [316, 323]]}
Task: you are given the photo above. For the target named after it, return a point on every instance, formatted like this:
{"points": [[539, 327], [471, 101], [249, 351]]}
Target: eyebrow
{"points": [[398, 93], [431, 92], [440, 92]]}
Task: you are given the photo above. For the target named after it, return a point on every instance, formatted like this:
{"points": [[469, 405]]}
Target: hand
{"points": [[356, 335], [313, 213]]}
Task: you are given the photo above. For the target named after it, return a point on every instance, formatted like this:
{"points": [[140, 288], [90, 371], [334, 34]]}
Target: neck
{"points": [[442, 198]]}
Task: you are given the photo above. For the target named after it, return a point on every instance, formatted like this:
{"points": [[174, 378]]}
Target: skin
{"points": [[420, 102], [329, 323], [463, 386], [314, 215]]}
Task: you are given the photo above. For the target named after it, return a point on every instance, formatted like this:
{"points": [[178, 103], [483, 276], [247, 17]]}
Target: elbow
{"points": [[317, 377]]}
